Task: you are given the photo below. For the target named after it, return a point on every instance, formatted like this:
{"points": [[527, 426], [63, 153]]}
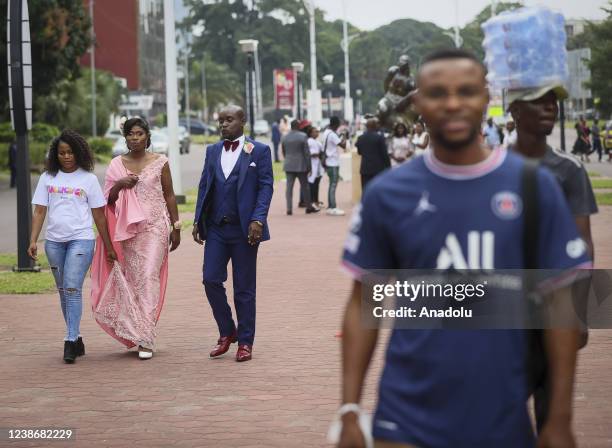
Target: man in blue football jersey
{"points": [[458, 207]]}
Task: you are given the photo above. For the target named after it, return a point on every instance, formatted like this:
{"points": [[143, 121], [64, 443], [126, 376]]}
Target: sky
{"points": [[370, 14]]}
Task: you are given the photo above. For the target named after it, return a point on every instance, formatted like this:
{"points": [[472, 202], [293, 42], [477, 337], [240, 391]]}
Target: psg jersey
{"points": [[451, 388]]}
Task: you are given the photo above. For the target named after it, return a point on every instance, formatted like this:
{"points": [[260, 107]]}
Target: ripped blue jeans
{"points": [[69, 263]]}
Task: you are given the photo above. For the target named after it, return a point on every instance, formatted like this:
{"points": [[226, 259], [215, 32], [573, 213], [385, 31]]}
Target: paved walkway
{"points": [[285, 397]]}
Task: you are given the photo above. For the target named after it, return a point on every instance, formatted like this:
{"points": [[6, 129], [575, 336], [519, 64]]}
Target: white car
{"points": [[120, 147], [159, 144], [261, 127], [113, 134]]}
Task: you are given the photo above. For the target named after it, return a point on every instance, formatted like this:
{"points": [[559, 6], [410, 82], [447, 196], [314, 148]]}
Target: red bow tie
{"points": [[231, 145]]}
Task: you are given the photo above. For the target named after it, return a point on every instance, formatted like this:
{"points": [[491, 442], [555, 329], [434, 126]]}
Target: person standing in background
{"points": [[276, 138], [12, 157], [372, 148], [491, 134], [509, 134], [420, 139], [331, 142], [595, 132], [297, 165], [401, 145], [316, 167]]}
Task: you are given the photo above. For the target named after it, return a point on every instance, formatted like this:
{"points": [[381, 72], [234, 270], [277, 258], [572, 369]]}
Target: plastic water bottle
{"points": [[525, 48]]}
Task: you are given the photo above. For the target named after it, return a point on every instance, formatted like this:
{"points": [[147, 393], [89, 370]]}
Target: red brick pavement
{"points": [[285, 397]]}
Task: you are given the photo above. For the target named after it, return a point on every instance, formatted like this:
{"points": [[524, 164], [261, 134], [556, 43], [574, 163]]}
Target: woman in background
{"points": [[400, 147], [420, 139], [316, 168], [69, 193]]}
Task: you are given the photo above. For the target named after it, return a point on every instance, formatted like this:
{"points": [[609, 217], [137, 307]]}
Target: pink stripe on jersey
{"points": [[464, 172]]}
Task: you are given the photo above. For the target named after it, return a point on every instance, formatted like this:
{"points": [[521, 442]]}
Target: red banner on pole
{"points": [[284, 88]]}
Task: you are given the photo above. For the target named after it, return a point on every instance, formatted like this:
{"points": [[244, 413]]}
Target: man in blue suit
{"points": [[231, 216]]}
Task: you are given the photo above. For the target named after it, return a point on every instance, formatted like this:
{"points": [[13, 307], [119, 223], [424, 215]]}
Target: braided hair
{"points": [[80, 148]]}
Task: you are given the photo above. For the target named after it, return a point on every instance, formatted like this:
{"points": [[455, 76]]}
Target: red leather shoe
{"points": [[223, 345], [244, 353]]}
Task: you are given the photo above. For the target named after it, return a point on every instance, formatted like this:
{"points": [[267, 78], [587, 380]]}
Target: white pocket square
{"points": [[252, 164]]}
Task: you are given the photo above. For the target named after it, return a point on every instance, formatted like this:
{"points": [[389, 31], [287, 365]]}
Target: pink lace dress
{"points": [[129, 311]]}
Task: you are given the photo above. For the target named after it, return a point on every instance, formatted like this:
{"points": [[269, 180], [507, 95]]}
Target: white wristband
{"points": [[349, 407]]}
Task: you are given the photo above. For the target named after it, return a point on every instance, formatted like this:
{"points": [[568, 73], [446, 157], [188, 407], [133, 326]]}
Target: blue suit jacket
{"points": [[255, 186]]}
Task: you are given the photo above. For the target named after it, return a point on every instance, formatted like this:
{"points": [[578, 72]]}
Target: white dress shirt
{"points": [[229, 158]]}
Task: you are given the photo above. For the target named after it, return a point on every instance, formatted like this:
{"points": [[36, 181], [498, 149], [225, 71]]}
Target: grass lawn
{"points": [[603, 198], [24, 282], [7, 261], [594, 174], [204, 139], [191, 197], [277, 168], [104, 159], [601, 183]]}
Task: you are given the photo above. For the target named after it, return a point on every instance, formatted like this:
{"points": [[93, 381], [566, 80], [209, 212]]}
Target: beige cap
{"points": [[534, 93]]}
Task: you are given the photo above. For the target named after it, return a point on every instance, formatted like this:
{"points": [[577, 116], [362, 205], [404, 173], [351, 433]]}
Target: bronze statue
{"points": [[395, 105]]}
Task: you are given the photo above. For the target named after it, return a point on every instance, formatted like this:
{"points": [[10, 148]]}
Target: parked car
{"points": [[198, 127], [261, 127], [120, 147], [184, 138], [159, 144], [113, 134]]}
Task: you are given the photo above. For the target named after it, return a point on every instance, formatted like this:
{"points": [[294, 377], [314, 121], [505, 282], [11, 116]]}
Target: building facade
{"points": [[130, 45]]}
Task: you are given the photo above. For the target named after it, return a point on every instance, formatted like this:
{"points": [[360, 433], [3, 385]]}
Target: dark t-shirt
{"points": [[595, 132], [574, 181]]}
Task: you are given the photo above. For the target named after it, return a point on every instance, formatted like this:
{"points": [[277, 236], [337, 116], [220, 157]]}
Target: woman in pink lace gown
{"points": [[144, 227]]}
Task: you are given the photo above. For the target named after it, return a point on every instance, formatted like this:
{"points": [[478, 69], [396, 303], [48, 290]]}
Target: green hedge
{"points": [[100, 145], [40, 132], [40, 138], [43, 133]]}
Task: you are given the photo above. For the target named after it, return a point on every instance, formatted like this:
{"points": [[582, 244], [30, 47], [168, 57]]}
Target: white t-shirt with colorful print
{"points": [[69, 198]]}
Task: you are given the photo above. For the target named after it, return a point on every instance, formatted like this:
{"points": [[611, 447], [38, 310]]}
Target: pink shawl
{"points": [[125, 219]]}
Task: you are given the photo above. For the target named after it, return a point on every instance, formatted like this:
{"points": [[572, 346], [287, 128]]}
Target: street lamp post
{"points": [[314, 95], [92, 60], [298, 68], [20, 95], [359, 92], [249, 46], [187, 99], [348, 109], [172, 100], [328, 80], [204, 93]]}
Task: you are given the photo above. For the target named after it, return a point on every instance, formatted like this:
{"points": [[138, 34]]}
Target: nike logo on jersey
{"points": [[480, 252]]}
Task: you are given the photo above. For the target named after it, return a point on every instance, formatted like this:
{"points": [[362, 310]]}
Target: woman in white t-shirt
{"points": [[420, 139], [400, 147], [69, 194], [316, 168]]}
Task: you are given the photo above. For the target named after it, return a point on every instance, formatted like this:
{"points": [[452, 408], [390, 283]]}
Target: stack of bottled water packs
{"points": [[526, 48]]}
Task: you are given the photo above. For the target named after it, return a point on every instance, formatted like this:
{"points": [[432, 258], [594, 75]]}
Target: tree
{"points": [[69, 104], [598, 36], [60, 36]]}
